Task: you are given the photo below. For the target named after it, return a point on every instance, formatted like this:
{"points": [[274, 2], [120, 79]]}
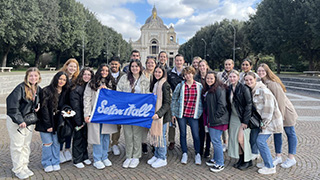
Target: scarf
{"points": [[157, 125]]}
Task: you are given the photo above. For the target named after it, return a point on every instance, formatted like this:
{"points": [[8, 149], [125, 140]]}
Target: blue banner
{"points": [[114, 107]]}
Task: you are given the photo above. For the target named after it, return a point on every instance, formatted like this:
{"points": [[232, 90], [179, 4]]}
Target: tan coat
{"points": [[287, 110], [89, 100], [267, 106], [124, 85]]}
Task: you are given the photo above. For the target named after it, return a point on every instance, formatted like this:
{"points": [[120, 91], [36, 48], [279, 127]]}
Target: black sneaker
{"points": [[216, 168], [210, 162], [144, 148]]}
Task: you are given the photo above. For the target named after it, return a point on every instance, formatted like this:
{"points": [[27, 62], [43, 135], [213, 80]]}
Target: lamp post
{"points": [[108, 48], [82, 66], [234, 43], [205, 48]]}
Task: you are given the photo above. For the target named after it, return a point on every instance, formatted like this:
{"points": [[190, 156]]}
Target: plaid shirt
{"points": [[190, 98]]}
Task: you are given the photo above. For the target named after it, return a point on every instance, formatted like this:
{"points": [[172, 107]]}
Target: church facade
{"points": [[156, 37]]}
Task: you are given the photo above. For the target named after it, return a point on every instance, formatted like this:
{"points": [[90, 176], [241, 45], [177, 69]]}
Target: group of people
{"points": [[217, 107]]}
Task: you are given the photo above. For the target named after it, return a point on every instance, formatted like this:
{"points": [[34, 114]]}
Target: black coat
{"points": [[174, 79], [18, 105], [216, 107], [242, 99], [165, 110], [49, 119], [76, 103]]}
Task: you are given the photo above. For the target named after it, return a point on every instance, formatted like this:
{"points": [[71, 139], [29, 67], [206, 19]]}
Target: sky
{"points": [[186, 16]]}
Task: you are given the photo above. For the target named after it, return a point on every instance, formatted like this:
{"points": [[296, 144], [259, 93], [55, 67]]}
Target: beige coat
{"points": [[124, 85], [89, 101], [287, 110], [267, 106]]}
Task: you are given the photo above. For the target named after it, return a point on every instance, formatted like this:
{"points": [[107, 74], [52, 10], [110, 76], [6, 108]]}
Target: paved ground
{"points": [[308, 156]]}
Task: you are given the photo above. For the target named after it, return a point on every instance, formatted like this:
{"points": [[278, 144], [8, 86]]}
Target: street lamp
{"points": [[205, 48], [108, 48], [234, 42], [82, 66]]}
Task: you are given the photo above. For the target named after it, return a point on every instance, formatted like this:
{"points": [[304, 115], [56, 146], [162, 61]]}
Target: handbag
{"points": [[255, 120], [65, 128], [31, 117]]}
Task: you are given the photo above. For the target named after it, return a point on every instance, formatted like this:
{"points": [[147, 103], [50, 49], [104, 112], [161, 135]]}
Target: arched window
{"points": [[171, 38], [154, 48]]}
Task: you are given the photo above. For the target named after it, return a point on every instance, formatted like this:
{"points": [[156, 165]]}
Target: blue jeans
{"points": [[50, 149], [292, 140], [194, 125], [161, 152], [100, 151], [215, 135], [253, 140], [264, 150]]}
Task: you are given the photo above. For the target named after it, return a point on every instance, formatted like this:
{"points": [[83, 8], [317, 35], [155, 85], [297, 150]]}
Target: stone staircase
{"points": [[307, 85]]}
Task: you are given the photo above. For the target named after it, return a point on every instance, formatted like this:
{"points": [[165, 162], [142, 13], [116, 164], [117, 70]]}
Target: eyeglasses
{"points": [[135, 60], [153, 57], [23, 134]]}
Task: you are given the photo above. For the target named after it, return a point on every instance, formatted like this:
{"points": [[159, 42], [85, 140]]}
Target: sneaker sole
{"points": [[216, 170]]}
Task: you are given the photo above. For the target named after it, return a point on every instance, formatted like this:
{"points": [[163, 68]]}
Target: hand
{"points": [[23, 125], [38, 107], [244, 126], [103, 87], [155, 117], [173, 119], [50, 129], [86, 119]]}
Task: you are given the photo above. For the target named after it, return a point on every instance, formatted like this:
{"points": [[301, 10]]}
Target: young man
{"points": [[116, 74], [174, 78], [135, 54]]}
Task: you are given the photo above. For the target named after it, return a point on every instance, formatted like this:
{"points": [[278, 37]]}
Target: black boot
{"points": [[245, 165], [241, 159]]}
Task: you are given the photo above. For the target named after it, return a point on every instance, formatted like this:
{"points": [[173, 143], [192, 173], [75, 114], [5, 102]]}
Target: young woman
{"points": [[246, 67], [20, 102], [288, 112], [162, 89], [187, 108], [240, 108], [267, 106], [71, 68], [216, 117], [53, 100], [134, 82], [80, 135], [98, 134], [204, 136]]}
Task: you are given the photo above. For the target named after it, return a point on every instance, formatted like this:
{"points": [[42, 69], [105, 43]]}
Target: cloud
{"points": [[172, 8]]}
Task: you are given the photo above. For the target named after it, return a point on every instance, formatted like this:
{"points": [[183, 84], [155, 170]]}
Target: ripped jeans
{"points": [[50, 149]]}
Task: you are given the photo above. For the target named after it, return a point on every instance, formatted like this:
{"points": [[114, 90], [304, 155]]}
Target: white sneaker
{"points": [[62, 158], [22, 175], [126, 163], [56, 167], [48, 169], [79, 165], [225, 147], [152, 160], [68, 155], [255, 157], [266, 170], [159, 163], [28, 172], [99, 165], [134, 163], [288, 163], [107, 162], [115, 150], [87, 162], [277, 160], [260, 165], [184, 158], [197, 159]]}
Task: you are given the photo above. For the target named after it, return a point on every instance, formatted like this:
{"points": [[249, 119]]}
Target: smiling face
{"points": [[163, 58], [150, 64], [233, 78], [33, 77], [228, 65], [62, 81], [245, 66], [195, 63], [104, 71], [210, 79], [203, 67], [134, 68], [72, 68], [115, 66], [179, 61], [261, 72], [188, 76], [135, 55], [158, 73], [250, 81], [86, 76]]}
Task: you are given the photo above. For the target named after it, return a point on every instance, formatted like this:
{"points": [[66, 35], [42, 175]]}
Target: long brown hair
{"points": [[271, 76], [65, 66], [27, 86]]}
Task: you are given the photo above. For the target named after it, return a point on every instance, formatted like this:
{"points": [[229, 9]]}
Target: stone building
{"points": [[156, 37]]}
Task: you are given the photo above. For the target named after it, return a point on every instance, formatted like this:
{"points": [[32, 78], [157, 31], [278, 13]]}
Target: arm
{"points": [[45, 111], [248, 108], [278, 93], [87, 101], [221, 102], [268, 107], [166, 100], [175, 98], [75, 102], [13, 104]]}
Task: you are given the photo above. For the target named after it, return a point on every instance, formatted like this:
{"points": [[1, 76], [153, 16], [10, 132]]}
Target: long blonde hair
{"points": [[271, 76], [27, 86], [65, 66]]}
